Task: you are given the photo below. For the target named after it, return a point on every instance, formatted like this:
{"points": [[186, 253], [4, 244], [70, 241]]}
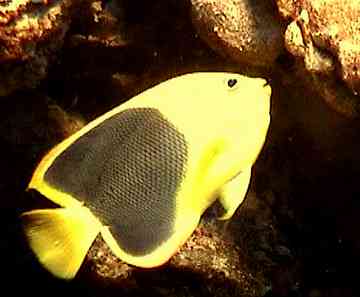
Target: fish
{"points": [[143, 173]]}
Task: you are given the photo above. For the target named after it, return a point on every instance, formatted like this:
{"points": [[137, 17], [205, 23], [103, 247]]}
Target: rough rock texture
{"points": [[209, 256], [325, 36], [247, 31], [31, 33]]}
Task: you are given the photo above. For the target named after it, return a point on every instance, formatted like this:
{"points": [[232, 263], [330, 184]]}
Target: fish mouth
{"points": [[267, 91], [267, 88], [267, 81]]}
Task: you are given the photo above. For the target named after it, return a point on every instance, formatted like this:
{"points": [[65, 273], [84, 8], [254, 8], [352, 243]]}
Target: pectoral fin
{"points": [[233, 193], [61, 237]]}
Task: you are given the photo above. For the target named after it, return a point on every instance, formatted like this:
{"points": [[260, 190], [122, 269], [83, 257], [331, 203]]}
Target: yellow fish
{"points": [[143, 173]]}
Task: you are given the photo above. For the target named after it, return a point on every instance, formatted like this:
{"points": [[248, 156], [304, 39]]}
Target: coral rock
{"points": [[325, 35], [246, 31], [31, 32]]}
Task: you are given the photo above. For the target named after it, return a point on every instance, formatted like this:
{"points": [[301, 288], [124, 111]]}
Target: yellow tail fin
{"points": [[61, 237]]}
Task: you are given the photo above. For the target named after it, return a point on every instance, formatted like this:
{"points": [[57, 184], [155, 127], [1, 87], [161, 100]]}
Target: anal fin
{"points": [[184, 227], [61, 237]]}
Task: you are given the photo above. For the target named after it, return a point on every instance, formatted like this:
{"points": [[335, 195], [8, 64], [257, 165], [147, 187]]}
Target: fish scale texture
{"points": [[127, 171]]}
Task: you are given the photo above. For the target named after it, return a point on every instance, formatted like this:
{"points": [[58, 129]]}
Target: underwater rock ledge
{"points": [[31, 34], [324, 38], [248, 32]]}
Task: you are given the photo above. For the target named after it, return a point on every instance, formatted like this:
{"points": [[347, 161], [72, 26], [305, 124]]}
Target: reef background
{"points": [[296, 233]]}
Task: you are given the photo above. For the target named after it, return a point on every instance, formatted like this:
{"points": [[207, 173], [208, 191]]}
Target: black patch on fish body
{"points": [[127, 171]]}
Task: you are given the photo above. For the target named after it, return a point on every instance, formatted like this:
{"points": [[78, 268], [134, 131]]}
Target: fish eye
{"points": [[231, 82]]}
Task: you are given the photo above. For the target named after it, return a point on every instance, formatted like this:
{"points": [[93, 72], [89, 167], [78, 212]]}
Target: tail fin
{"points": [[61, 237]]}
